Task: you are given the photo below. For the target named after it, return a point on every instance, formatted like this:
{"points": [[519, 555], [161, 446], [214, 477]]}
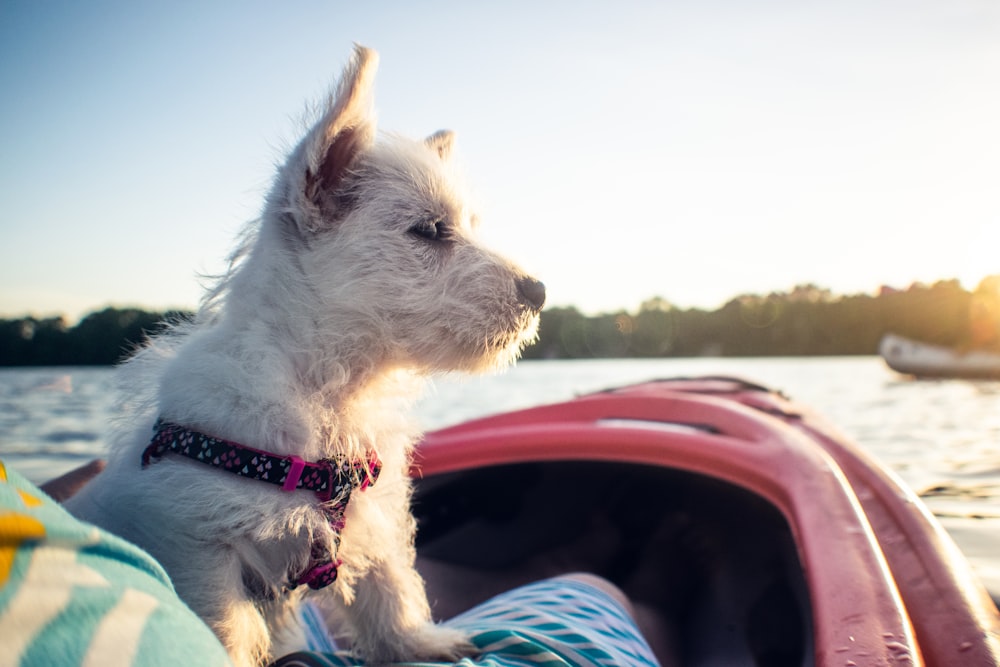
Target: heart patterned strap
{"points": [[327, 478]]}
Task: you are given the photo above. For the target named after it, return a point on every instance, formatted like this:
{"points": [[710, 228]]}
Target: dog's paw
{"points": [[437, 642], [430, 642]]}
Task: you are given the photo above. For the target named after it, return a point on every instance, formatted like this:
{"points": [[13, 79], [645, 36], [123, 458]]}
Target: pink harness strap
{"points": [[294, 473]]}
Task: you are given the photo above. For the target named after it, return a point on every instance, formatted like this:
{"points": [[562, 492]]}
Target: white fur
{"points": [[314, 344]]}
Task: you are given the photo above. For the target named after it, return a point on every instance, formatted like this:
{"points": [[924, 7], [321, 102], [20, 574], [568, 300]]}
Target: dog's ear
{"points": [[441, 141], [346, 129]]}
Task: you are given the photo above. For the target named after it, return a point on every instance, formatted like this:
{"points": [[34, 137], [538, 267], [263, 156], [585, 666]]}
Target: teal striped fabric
{"points": [[554, 623]]}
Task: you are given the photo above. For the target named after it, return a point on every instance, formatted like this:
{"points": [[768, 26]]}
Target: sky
{"points": [[692, 150]]}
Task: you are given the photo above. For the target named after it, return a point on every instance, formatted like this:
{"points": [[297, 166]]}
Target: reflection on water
{"points": [[942, 437], [53, 419]]}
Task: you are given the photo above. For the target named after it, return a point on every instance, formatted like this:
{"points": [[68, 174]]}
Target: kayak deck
{"points": [[747, 531]]}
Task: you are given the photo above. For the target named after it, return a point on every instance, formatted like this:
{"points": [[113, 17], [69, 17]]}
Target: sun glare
{"points": [[982, 257]]}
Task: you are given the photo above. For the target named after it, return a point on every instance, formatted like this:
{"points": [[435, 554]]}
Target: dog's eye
{"points": [[431, 230]]}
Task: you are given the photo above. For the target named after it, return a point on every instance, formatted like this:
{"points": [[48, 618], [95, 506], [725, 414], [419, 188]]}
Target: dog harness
{"points": [[332, 480]]}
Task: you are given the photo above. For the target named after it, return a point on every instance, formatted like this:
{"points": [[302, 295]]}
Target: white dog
{"points": [[362, 275]]}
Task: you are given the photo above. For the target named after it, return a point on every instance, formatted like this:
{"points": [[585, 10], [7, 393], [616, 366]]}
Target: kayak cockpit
{"points": [[712, 568]]}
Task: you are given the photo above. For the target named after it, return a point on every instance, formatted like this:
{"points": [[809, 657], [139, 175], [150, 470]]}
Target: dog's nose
{"points": [[532, 292]]}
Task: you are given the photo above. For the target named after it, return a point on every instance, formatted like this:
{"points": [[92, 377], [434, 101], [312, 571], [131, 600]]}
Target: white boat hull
{"points": [[924, 360]]}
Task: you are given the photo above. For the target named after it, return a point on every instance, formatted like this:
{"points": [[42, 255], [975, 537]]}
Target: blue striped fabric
{"points": [[553, 623]]}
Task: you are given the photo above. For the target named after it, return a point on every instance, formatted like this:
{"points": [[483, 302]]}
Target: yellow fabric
{"points": [[14, 529]]}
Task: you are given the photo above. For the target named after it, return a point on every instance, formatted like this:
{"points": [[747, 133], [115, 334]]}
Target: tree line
{"points": [[101, 338], [805, 321]]}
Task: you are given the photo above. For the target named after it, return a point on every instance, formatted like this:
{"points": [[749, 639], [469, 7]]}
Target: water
{"points": [[941, 437]]}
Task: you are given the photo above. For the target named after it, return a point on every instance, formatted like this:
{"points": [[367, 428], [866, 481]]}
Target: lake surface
{"points": [[941, 437]]}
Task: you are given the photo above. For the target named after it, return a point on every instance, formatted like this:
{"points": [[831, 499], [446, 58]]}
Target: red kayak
{"points": [[747, 530]]}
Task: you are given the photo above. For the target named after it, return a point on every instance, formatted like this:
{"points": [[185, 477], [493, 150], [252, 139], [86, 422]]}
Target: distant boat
{"points": [[925, 360]]}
